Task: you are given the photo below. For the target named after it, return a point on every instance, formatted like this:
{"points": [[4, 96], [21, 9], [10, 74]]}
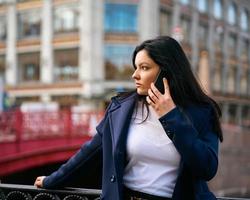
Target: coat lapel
{"points": [[119, 119]]}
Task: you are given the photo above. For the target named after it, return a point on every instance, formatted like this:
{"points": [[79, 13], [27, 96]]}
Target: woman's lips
{"points": [[138, 85]]}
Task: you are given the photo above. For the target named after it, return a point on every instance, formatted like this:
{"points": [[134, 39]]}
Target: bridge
{"points": [[32, 139]]}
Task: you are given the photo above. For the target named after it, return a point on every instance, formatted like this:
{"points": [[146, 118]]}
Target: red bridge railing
{"points": [[17, 125], [30, 139]]}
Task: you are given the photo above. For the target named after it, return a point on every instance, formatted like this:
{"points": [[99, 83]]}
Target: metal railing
{"points": [[26, 192], [232, 198], [17, 126]]}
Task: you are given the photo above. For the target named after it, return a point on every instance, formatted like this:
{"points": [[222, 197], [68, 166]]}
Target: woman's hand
{"points": [[162, 103], [39, 181]]}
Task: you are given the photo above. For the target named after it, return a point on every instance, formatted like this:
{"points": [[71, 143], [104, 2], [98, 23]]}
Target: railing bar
{"points": [[231, 198], [75, 191], [61, 191]]}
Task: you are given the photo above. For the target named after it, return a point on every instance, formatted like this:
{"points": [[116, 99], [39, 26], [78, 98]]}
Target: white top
{"points": [[153, 159]]}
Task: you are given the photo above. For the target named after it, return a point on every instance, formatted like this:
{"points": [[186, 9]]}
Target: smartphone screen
{"points": [[159, 81]]}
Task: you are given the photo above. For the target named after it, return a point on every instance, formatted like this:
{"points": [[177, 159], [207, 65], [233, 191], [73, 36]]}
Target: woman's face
{"points": [[145, 73]]}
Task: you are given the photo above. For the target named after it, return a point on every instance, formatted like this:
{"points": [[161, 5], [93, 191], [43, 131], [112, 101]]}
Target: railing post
{"points": [[68, 122], [18, 128]]}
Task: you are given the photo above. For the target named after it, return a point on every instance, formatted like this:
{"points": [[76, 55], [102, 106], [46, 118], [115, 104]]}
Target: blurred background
{"points": [[62, 60]]}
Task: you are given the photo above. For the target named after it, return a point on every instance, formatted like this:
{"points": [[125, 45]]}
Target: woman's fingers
{"points": [[166, 86], [150, 98], [155, 90], [39, 181]]}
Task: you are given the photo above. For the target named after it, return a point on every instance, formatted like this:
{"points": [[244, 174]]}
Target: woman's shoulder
{"points": [[124, 96], [199, 109], [198, 114]]}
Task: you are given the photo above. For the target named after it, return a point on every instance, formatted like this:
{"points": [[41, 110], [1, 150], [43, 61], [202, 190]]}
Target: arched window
{"points": [[244, 20], [218, 9], [232, 14]]}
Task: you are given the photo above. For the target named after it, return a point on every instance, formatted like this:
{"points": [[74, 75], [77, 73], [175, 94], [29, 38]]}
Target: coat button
{"points": [[112, 178]]}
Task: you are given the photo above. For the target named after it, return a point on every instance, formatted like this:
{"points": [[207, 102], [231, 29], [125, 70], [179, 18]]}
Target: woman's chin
{"points": [[141, 92]]}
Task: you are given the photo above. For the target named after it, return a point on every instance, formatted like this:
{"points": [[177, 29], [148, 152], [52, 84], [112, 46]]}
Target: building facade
{"points": [[78, 52]]}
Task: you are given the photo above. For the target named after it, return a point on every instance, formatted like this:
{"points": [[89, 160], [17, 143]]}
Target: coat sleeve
{"points": [[89, 152], [86, 153], [198, 150]]}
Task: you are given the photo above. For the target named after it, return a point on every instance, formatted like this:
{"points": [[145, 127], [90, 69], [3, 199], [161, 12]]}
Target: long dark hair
{"points": [[184, 88]]}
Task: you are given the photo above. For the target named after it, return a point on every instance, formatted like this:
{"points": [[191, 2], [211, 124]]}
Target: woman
{"points": [[154, 145]]}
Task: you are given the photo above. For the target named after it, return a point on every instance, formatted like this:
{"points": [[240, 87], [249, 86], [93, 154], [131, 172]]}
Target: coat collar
{"points": [[119, 118]]}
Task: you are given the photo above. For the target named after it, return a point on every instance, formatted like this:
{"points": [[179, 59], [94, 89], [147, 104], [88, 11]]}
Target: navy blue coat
{"points": [[189, 129]]}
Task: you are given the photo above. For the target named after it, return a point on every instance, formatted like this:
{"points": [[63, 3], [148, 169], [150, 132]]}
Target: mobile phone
{"points": [[159, 81]]}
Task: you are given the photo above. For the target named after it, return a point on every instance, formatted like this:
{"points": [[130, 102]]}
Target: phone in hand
{"points": [[159, 81]]}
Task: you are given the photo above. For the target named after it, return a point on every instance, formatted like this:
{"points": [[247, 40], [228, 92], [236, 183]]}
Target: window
{"points": [[246, 116], [66, 101], [185, 25], [185, 2], [232, 14], [29, 23], [202, 5], [2, 61], [243, 82], [2, 28], [217, 78], [120, 18], [29, 66], [20, 1], [231, 84], [165, 23], [66, 65], [244, 20], [232, 114], [2, 65], [118, 63], [245, 50], [2, 2], [218, 9], [232, 45], [66, 18], [218, 38], [203, 35]]}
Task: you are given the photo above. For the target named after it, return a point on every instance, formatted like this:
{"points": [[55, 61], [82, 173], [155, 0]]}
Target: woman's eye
{"points": [[144, 68]]}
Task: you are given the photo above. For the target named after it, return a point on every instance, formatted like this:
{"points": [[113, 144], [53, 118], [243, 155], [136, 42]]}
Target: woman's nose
{"points": [[135, 75]]}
